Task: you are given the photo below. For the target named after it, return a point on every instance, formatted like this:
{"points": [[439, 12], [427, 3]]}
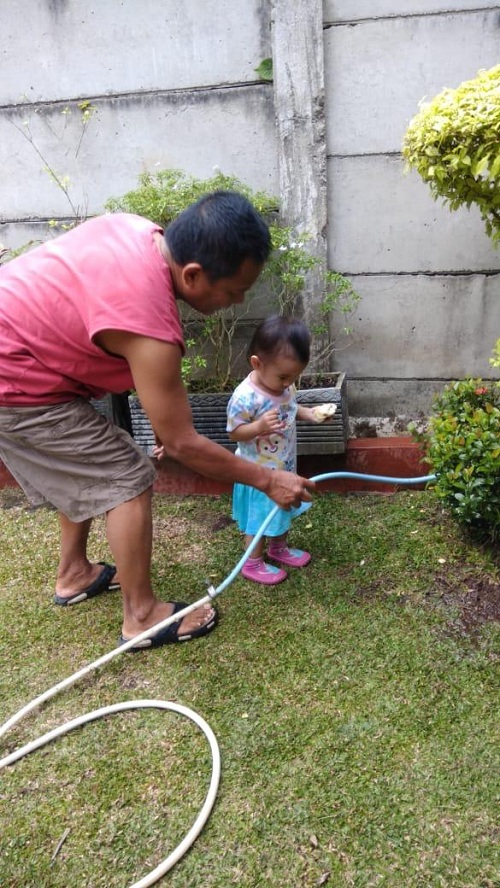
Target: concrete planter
{"points": [[209, 417], [328, 437]]}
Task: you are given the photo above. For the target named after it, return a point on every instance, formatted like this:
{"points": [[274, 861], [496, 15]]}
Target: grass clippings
{"points": [[356, 708]]}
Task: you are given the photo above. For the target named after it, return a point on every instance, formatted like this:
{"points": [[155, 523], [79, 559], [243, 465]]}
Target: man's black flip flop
{"points": [[170, 634], [103, 583]]}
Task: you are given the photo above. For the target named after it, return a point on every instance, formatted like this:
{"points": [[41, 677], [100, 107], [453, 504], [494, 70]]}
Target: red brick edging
{"points": [[393, 457]]}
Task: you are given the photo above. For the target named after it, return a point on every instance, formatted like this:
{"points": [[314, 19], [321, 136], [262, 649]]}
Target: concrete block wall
{"points": [[430, 279], [174, 85]]}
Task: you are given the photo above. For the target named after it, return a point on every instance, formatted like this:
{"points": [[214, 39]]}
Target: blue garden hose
{"points": [[317, 478], [169, 862]]}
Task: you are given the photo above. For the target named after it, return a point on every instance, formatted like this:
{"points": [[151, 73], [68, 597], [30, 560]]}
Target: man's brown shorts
{"points": [[72, 457]]}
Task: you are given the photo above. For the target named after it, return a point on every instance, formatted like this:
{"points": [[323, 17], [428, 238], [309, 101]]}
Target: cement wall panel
{"points": [[425, 327], [232, 130], [407, 399], [18, 234], [377, 72], [347, 11], [71, 49], [381, 220]]}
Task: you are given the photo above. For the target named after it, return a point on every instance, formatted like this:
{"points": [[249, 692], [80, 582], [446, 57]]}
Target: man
{"points": [[95, 311]]}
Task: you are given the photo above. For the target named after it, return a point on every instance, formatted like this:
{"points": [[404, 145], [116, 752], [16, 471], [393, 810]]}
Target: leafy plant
{"points": [[162, 196], [86, 111], [453, 144], [495, 358], [463, 448], [191, 362]]}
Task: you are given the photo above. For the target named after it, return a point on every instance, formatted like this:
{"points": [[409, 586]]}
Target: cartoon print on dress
{"points": [[271, 448]]}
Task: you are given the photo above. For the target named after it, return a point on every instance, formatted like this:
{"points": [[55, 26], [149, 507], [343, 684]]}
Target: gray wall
{"points": [[429, 278], [174, 85]]}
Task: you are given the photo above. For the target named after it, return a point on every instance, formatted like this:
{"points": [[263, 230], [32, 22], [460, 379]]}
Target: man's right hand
{"points": [[288, 489]]}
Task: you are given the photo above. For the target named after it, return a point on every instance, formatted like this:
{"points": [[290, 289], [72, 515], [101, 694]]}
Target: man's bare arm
{"points": [[156, 370]]}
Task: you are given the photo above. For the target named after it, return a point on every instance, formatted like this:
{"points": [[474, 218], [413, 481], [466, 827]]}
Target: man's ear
{"points": [[191, 275]]}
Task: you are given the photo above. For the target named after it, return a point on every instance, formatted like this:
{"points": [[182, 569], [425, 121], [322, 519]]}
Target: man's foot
{"points": [[104, 581], [258, 571], [194, 625]]}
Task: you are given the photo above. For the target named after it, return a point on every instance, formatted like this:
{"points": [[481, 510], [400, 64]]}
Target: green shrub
{"points": [[453, 144], [463, 449]]}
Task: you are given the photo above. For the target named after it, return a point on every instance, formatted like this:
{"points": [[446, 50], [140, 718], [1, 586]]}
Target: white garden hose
{"points": [[208, 804], [65, 728]]}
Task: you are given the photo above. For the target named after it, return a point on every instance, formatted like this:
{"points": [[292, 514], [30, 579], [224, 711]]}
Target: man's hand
{"points": [[288, 489]]}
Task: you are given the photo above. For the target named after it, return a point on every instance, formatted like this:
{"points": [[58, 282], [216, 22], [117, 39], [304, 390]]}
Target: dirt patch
{"points": [[185, 537], [12, 497], [475, 601], [220, 523], [172, 528], [467, 601]]}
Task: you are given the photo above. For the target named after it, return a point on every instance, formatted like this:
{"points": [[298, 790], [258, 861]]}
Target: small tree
{"points": [[454, 145]]}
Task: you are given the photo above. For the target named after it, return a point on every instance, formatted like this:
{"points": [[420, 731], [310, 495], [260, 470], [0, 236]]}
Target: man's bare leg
{"points": [[130, 537], [75, 571]]}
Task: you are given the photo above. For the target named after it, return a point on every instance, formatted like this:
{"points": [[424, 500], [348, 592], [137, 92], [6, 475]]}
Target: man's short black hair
{"points": [[219, 231]]}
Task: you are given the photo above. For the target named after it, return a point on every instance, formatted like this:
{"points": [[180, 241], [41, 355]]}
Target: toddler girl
{"points": [[261, 418]]}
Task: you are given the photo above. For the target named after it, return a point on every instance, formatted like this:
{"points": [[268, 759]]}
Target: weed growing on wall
{"points": [[85, 111], [77, 212]]}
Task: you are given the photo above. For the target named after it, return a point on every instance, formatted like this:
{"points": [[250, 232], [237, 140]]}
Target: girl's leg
{"points": [[257, 570], [279, 551], [259, 549]]}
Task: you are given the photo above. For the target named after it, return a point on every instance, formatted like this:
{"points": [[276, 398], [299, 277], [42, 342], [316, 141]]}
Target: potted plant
{"points": [[216, 345]]}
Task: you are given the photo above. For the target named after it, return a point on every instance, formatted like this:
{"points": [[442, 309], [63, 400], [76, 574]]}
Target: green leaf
{"points": [[265, 69]]}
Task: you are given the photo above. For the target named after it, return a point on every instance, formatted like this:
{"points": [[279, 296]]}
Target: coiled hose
{"points": [[209, 802]]}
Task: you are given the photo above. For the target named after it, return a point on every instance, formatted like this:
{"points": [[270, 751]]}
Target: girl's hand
{"points": [[158, 451], [270, 422], [320, 413]]}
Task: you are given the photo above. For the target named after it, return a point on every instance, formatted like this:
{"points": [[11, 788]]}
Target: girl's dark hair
{"points": [[280, 335], [219, 231]]}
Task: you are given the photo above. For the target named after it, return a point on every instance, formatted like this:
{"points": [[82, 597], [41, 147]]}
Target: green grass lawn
{"points": [[355, 705]]}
